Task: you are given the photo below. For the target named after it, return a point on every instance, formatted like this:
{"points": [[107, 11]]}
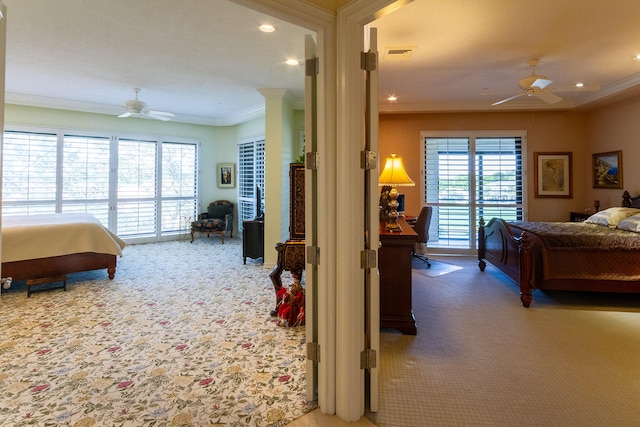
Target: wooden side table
{"points": [[578, 216]]}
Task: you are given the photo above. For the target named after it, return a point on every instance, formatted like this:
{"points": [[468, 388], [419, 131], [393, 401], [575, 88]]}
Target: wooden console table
{"points": [[394, 266]]}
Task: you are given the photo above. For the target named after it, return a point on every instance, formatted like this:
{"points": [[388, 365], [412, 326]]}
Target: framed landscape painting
{"points": [[552, 174], [607, 169]]}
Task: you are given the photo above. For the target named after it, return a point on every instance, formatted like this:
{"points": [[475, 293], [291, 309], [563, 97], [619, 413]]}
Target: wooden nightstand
{"points": [[578, 216]]}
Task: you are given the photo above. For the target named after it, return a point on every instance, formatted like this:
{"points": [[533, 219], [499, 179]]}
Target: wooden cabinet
{"points": [[394, 266], [252, 239], [296, 209], [291, 254]]}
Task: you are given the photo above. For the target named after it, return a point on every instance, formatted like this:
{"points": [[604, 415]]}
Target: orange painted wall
{"points": [[616, 127], [611, 128], [546, 131]]}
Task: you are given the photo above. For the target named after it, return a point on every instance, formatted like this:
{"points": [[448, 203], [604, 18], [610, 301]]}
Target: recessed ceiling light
{"points": [[579, 84], [392, 98], [266, 28], [637, 57], [292, 62]]}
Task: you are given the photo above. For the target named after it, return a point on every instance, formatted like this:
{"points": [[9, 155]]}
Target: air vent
{"points": [[399, 52]]}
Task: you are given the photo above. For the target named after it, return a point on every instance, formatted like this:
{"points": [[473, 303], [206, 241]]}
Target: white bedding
{"points": [[43, 236]]}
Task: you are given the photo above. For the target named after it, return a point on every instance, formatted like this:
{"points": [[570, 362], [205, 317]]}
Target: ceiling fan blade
{"points": [[124, 115], [574, 88], [151, 115], [161, 113], [508, 99], [547, 97], [541, 83]]}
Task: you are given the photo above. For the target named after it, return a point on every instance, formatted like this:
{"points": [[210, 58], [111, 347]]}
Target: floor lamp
{"points": [[394, 176]]}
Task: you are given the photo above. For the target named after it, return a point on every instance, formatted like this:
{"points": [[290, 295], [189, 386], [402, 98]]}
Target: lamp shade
{"points": [[394, 174]]}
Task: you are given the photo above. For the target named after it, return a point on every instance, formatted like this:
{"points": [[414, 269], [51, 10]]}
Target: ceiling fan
{"points": [[538, 86], [137, 108]]}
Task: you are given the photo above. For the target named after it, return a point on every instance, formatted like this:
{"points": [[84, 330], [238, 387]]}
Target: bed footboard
{"points": [[56, 266], [503, 248]]}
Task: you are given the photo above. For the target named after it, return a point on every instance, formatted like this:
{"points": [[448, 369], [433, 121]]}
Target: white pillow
{"points": [[630, 224], [611, 217]]}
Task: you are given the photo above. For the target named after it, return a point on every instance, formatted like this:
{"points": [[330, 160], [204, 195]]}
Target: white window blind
{"points": [[499, 183], [137, 166], [29, 166], [179, 185], [131, 185], [250, 175], [467, 177], [85, 175]]}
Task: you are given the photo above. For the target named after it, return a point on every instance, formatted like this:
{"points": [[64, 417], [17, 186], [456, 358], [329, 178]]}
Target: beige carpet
{"points": [[481, 359], [181, 337]]}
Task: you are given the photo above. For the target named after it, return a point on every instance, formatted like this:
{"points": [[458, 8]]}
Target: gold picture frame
{"points": [[553, 175], [226, 175], [607, 169]]}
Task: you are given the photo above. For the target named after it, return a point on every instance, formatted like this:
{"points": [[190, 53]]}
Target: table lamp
{"points": [[394, 176]]}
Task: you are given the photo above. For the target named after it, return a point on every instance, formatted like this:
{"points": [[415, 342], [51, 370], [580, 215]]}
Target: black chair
{"points": [[421, 227]]}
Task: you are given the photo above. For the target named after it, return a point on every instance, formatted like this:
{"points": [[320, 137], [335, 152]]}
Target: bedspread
{"points": [[50, 235], [583, 251], [580, 235]]}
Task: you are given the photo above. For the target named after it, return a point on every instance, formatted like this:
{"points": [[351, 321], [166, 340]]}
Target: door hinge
{"points": [[313, 352], [368, 258], [368, 359], [368, 61], [312, 160], [312, 67], [368, 160], [313, 255]]}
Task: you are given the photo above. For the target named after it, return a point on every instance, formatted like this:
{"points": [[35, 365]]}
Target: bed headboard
{"points": [[630, 202]]}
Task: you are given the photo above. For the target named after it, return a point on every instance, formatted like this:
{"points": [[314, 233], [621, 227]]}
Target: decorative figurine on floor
{"points": [[291, 304]]}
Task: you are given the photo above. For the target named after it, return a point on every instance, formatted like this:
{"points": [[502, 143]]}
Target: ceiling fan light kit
{"points": [[138, 108]]}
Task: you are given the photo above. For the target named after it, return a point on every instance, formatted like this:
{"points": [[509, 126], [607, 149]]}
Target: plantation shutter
{"points": [[136, 187], [29, 163], [85, 175]]}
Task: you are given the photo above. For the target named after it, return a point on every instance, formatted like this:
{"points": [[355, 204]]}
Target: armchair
{"points": [[217, 220]]}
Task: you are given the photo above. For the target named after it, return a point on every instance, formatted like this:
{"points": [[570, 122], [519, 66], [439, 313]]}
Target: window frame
{"points": [[160, 232], [473, 205]]}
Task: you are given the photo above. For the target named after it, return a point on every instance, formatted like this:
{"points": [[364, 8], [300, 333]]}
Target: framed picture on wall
{"points": [[552, 175], [607, 169], [226, 175]]}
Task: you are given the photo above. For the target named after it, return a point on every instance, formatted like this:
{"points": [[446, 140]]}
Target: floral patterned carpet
{"points": [[181, 337]]}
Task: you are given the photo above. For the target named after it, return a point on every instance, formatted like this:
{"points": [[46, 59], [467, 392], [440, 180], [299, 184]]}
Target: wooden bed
{"points": [[536, 261], [41, 246]]}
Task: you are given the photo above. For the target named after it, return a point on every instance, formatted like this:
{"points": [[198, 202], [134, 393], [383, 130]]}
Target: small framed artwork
{"points": [[607, 170], [226, 175], [552, 175]]}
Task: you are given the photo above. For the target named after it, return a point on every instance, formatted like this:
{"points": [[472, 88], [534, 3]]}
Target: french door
{"points": [[468, 176]]}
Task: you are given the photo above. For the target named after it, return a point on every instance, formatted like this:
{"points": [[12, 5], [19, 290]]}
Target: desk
{"points": [[394, 266]]}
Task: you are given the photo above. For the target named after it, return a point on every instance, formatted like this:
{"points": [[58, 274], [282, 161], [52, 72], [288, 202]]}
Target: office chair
{"points": [[421, 227]]}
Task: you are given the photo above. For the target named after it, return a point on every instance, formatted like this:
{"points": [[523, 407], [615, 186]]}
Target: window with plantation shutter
{"points": [[137, 162], [139, 188], [468, 176], [85, 175], [29, 169], [179, 185], [250, 175]]}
